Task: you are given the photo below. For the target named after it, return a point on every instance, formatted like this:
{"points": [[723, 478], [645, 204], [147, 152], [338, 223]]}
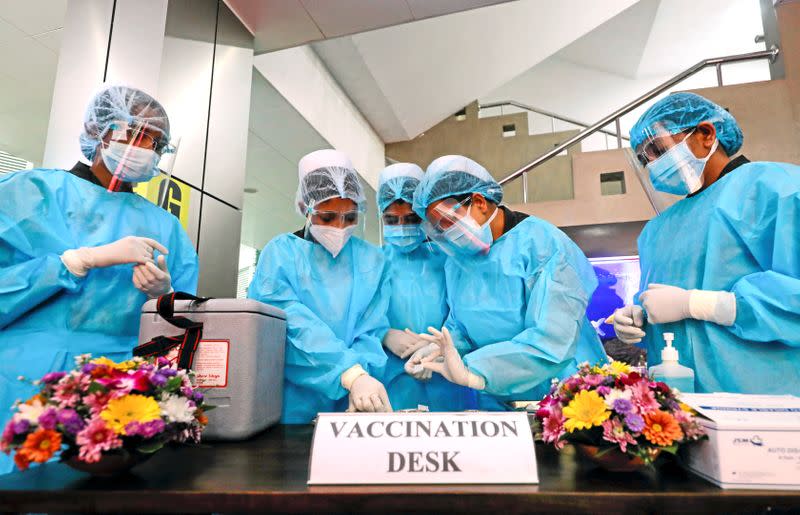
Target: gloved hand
{"points": [[403, 343], [664, 304], [628, 324], [413, 366], [452, 367], [130, 249], [368, 394], [151, 279]]}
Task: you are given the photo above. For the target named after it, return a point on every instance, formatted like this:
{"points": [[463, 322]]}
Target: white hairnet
{"points": [[326, 174]]}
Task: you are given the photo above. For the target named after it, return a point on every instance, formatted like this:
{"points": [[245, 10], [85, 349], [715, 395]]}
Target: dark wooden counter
{"points": [[269, 472]]}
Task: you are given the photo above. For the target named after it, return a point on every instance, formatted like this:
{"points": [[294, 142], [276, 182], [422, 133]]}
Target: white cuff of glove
{"points": [[713, 306], [351, 374], [475, 381], [78, 261]]}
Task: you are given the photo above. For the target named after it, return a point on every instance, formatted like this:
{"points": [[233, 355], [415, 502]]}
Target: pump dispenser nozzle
{"points": [[669, 353]]}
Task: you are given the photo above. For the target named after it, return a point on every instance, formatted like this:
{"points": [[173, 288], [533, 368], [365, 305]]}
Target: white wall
{"points": [[300, 76]]}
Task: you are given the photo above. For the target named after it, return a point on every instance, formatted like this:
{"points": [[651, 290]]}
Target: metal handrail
{"points": [[543, 112], [770, 54]]}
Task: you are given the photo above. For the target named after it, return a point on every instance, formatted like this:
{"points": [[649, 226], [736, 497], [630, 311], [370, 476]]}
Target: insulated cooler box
{"points": [[238, 364]]}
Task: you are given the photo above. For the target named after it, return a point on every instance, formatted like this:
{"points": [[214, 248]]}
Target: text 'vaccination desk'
{"points": [[268, 474]]}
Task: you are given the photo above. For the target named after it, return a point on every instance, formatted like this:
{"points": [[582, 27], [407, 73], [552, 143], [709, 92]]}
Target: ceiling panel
{"points": [[34, 16], [341, 17], [276, 23], [51, 40], [428, 8]]}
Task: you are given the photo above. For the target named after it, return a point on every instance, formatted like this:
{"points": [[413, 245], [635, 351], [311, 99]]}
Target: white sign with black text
{"points": [[435, 448]]}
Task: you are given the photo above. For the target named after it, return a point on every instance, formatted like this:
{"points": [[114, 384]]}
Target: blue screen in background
{"points": [[618, 282]]}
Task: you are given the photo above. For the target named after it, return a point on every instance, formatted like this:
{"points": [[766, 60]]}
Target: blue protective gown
{"points": [[741, 235], [418, 301], [335, 317], [518, 313], [47, 315]]}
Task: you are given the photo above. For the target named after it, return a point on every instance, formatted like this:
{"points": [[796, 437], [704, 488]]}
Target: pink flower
{"points": [[553, 427], [643, 397], [97, 401], [126, 381], [594, 379], [689, 425], [94, 439], [67, 392], [614, 431]]}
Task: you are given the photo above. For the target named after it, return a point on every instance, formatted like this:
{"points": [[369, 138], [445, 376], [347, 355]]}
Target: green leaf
{"points": [[672, 449], [173, 384], [95, 387], [150, 447], [208, 407]]}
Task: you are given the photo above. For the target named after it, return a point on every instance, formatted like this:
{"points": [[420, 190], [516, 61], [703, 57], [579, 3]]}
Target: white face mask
{"points": [[332, 238], [130, 163]]}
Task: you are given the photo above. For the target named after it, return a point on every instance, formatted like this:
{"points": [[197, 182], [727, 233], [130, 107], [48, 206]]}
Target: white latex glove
{"points": [[127, 250], [403, 343], [368, 394], [413, 366], [628, 324], [151, 279], [664, 303], [452, 367]]}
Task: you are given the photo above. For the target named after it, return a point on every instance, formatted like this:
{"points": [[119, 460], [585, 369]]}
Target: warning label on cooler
{"points": [[210, 364]]}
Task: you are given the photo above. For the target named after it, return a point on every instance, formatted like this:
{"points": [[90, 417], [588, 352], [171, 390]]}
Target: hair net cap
{"points": [[680, 111], [398, 182], [121, 104], [320, 159], [326, 174], [452, 176]]}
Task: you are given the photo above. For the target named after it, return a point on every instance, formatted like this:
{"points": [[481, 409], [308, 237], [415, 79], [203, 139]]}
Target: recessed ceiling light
{"points": [[251, 190]]}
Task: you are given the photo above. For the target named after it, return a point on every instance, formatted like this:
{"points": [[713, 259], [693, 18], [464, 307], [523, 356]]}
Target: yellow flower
{"points": [[130, 408], [618, 367], [124, 366], [587, 409]]}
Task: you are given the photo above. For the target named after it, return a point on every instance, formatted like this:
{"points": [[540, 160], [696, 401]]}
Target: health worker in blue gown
{"points": [[517, 289], [416, 271], [333, 287], [80, 253], [721, 267]]}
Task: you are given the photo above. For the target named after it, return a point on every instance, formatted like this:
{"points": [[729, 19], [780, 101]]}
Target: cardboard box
{"points": [[753, 440]]}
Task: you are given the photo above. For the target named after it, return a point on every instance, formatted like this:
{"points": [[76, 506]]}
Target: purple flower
{"points": [[147, 429], [48, 419], [158, 379], [198, 397], [623, 406], [21, 426], [168, 372], [53, 377], [88, 368], [162, 362], [72, 422], [603, 390], [635, 422], [186, 392]]}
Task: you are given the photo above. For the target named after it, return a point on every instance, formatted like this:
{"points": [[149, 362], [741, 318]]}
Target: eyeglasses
{"points": [[410, 219], [331, 217], [656, 147], [142, 138]]}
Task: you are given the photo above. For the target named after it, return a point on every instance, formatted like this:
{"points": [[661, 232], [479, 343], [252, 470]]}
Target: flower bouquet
{"points": [[105, 417], [617, 417]]}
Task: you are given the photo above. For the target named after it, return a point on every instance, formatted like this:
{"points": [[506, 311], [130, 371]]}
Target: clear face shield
{"points": [[661, 141], [451, 226], [333, 222], [134, 151]]}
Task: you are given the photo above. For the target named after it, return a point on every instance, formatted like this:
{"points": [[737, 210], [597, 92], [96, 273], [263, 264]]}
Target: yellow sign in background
{"points": [[176, 200]]}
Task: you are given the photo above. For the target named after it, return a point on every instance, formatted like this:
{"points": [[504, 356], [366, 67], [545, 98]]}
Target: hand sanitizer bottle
{"points": [[670, 371]]}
